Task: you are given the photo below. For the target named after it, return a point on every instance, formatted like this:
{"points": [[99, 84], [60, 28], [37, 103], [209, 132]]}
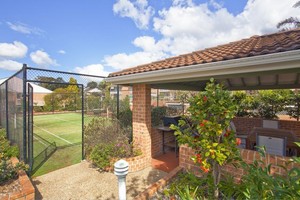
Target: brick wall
{"points": [[244, 125], [156, 141], [290, 125], [137, 163], [141, 120], [248, 156]]}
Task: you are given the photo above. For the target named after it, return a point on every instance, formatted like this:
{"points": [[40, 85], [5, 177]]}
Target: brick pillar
{"points": [[141, 119]]}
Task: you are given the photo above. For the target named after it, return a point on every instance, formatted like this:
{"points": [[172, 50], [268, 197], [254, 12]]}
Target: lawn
{"points": [[63, 129]]}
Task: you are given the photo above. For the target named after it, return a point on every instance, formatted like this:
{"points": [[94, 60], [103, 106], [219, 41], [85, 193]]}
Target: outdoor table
{"points": [[172, 144]]}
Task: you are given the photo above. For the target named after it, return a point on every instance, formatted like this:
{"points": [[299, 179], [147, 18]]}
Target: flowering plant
{"points": [[208, 131]]}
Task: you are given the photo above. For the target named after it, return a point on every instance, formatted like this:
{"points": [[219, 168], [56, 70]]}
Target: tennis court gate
{"points": [[17, 104]]}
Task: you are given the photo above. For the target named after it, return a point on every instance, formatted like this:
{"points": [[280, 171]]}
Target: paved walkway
{"points": [[81, 181]]}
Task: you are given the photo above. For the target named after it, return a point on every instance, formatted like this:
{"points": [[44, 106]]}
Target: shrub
{"points": [[6, 149], [157, 114], [125, 118], [106, 139], [260, 183], [101, 155], [8, 171], [189, 186], [103, 130]]}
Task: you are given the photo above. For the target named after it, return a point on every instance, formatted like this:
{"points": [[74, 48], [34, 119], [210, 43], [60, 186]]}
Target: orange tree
{"points": [[207, 131]]}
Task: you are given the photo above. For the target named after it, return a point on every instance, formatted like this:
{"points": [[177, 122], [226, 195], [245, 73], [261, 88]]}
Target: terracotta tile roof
{"points": [[253, 46]]}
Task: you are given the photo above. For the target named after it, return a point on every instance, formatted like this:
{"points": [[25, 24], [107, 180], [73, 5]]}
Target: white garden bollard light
{"points": [[121, 170]]}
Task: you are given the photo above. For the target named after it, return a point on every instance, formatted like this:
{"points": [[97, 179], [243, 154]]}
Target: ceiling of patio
{"points": [[281, 79]]}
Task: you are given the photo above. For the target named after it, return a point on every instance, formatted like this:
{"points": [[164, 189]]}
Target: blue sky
{"points": [[98, 37]]}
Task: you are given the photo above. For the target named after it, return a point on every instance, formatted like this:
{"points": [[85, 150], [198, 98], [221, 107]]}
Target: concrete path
{"points": [[81, 181]]}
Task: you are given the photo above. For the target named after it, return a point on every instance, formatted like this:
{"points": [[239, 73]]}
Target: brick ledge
{"points": [[150, 191]]}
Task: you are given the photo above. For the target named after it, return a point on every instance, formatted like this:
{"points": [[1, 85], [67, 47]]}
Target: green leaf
{"points": [[215, 144]]}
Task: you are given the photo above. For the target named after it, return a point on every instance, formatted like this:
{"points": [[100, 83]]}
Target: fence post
{"points": [[6, 110], [118, 101], [121, 170], [24, 151]]}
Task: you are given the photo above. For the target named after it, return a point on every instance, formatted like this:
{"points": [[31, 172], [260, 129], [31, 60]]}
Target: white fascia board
{"points": [[270, 62]]}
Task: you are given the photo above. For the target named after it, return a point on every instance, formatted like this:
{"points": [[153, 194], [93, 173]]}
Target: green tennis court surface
{"points": [[65, 130]]}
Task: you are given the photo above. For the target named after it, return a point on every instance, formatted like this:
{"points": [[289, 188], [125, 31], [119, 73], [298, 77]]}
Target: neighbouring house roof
{"points": [[36, 88], [258, 62], [39, 89], [2, 80], [94, 90], [253, 46]]}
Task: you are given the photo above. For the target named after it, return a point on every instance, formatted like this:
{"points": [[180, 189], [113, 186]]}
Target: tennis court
{"points": [[57, 141]]}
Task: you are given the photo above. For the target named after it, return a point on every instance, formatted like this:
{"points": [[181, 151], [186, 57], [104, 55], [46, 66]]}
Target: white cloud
{"points": [[187, 26], [137, 10], [94, 69], [13, 50], [62, 52], [196, 27], [24, 28], [10, 65], [151, 51], [42, 59], [122, 60]]}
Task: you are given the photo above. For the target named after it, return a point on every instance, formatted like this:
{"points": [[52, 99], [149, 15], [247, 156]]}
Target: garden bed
{"points": [[20, 188], [156, 188]]}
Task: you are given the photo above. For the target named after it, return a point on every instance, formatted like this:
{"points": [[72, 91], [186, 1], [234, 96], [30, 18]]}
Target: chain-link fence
{"points": [[55, 111], [11, 98]]}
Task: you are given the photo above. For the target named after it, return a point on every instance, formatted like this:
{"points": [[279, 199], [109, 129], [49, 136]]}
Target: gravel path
{"points": [[81, 181]]}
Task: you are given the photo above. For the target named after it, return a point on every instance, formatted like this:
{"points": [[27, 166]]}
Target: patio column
{"points": [[141, 119]]}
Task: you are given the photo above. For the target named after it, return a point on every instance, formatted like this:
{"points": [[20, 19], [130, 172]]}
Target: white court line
{"points": [[40, 141], [65, 120], [54, 135]]}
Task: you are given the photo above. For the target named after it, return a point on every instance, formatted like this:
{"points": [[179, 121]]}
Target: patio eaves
{"points": [[283, 65]]}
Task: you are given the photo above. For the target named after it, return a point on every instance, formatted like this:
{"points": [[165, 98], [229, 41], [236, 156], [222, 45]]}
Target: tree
{"points": [[92, 85], [108, 102], [207, 130], [244, 102], [51, 83], [294, 105], [271, 102], [290, 23], [68, 98]]}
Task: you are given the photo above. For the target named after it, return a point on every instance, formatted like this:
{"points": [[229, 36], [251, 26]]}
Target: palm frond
{"points": [[292, 21], [297, 4]]}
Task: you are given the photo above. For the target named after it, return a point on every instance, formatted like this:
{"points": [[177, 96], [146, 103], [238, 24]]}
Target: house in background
{"points": [[38, 92]]}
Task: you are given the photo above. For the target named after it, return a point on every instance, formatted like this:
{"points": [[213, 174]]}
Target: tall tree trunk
{"points": [[216, 177]]}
